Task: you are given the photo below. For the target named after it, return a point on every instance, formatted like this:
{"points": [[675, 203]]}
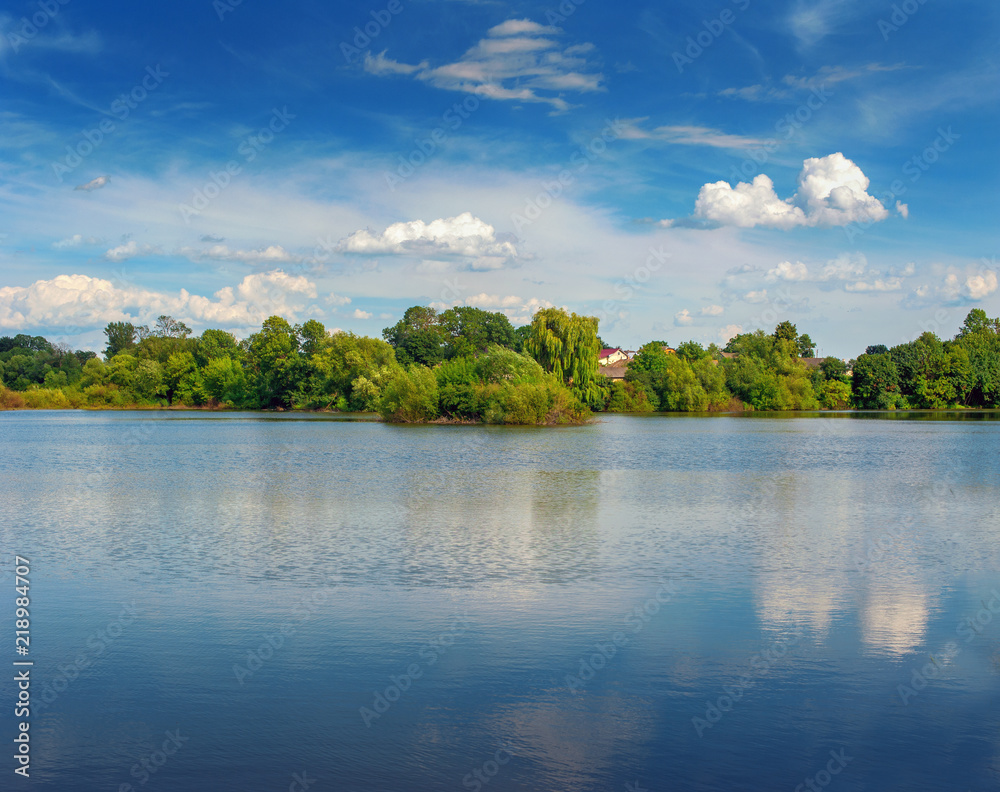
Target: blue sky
{"points": [[679, 169]]}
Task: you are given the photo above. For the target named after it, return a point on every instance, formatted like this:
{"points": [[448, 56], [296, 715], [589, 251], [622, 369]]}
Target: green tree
{"points": [[312, 336], [410, 396], [121, 337], [691, 351], [418, 337], [806, 347], [566, 346], [833, 369], [271, 362], [786, 331], [168, 327], [214, 344], [875, 382], [471, 330]]}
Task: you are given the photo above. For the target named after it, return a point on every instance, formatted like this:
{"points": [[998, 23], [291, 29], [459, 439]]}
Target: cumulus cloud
{"points": [[845, 267], [832, 191], [79, 300], [519, 60], [129, 250], [757, 296], [712, 310], [93, 184], [788, 271], [960, 287], [463, 236], [359, 314], [683, 318]]}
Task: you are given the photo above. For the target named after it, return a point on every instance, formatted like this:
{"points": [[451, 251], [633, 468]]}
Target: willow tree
{"points": [[567, 345]]}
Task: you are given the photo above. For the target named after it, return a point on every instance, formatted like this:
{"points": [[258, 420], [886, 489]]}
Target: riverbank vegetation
{"points": [[469, 365]]}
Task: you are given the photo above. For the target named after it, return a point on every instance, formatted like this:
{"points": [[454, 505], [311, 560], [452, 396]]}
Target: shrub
{"points": [[410, 396]]}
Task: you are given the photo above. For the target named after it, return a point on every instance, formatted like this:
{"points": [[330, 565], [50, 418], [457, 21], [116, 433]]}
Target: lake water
{"points": [[272, 602]]}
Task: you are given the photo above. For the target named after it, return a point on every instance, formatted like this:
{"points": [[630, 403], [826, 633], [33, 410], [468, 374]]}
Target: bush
{"points": [[410, 396]]}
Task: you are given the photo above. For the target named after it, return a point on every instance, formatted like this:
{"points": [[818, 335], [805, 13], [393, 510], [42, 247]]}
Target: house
{"points": [[609, 357], [614, 372], [812, 363]]}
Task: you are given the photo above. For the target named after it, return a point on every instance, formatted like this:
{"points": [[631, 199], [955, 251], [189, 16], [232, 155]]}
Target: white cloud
{"points": [[755, 296], [465, 235], [359, 314], [712, 310], [517, 309], [812, 20], [381, 65], [877, 285], [518, 27], [789, 272], [688, 135], [76, 241], [978, 287], [833, 191], [272, 254], [845, 267], [517, 61], [79, 300], [93, 184], [962, 286], [729, 332], [903, 209], [129, 250], [683, 318]]}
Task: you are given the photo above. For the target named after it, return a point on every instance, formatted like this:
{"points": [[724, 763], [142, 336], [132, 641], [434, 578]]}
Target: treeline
{"points": [[470, 365], [476, 371], [929, 373]]}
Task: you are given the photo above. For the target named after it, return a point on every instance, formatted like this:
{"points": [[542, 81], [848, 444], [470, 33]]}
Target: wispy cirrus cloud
{"points": [[687, 135], [518, 60]]}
